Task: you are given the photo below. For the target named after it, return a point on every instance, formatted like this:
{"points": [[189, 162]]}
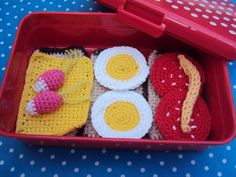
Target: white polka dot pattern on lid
{"points": [[209, 11], [226, 18], [202, 5], [232, 32], [213, 23], [205, 16], [191, 3], [187, 8], [216, 17], [211, 6], [180, 2], [194, 15], [220, 7], [233, 25], [228, 13], [174, 6], [220, 11], [198, 10]]}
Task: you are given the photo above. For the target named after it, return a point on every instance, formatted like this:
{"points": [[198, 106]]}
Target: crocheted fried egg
{"points": [[121, 115], [121, 68]]}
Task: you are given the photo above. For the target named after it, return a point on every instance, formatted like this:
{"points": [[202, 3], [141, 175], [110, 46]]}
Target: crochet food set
{"points": [[118, 93]]}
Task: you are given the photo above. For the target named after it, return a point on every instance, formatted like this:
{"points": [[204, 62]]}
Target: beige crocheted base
{"points": [[153, 100], [96, 91]]}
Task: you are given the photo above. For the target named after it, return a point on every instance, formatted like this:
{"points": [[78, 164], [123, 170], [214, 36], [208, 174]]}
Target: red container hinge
{"points": [[135, 14]]}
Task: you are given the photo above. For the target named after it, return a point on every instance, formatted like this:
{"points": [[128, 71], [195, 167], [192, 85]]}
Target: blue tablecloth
{"points": [[18, 159]]}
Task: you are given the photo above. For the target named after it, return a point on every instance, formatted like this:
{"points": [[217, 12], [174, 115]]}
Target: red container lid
{"points": [[209, 25]]}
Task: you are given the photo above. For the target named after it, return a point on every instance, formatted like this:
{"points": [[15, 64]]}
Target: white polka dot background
{"points": [[21, 160]]}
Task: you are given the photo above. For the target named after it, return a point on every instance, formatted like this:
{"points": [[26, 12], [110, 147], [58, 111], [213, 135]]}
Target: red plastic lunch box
{"points": [[205, 29]]}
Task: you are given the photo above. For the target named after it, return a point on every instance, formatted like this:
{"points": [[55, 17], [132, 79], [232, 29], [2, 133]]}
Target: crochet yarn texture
{"points": [[121, 68], [69, 116], [121, 115], [168, 118], [44, 102], [167, 75], [53, 79], [153, 100], [49, 80], [193, 91], [98, 90]]}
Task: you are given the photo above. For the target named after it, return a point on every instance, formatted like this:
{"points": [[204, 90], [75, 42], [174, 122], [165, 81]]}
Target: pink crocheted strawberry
{"points": [[44, 102], [50, 80]]}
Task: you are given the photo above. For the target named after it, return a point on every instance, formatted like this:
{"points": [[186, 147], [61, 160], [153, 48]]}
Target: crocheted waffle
{"points": [[96, 92], [121, 115], [121, 68], [167, 75], [153, 100], [69, 116], [168, 118]]}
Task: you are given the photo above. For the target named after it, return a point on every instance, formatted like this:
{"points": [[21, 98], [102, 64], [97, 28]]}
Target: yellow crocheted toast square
{"points": [[69, 116]]}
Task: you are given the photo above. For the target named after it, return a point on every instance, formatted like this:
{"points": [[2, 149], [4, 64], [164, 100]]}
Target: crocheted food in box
{"points": [[69, 116], [181, 114], [167, 75], [96, 92], [168, 118], [121, 115], [121, 68]]}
